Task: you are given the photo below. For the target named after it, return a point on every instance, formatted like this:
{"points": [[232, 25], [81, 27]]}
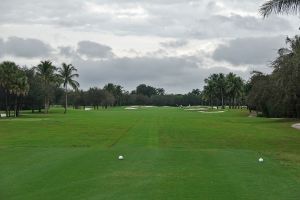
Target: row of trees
{"points": [[30, 88], [221, 90], [105, 97], [45, 84], [278, 94]]}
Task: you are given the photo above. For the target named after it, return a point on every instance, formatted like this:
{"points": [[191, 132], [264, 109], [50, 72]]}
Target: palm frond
{"points": [[280, 7], [74, 84]]}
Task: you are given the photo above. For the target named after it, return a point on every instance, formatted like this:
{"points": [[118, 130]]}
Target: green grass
{"points": [[169, 154]]}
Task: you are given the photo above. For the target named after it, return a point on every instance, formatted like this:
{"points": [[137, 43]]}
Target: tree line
{"points": [[24, 88], [272, 95], [37, 88], [278, 94]]}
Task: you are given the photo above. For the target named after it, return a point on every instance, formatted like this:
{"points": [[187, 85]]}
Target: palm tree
{"points": [[221, 84], [230, 88], [8, 70], [279, 7], [13, 82], [19, 88], [46, 71], [66, 73], [208, 91], [234, 86]]}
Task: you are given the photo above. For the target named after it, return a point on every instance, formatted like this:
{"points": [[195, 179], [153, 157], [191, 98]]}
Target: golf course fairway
{"points": [[169, 153]]}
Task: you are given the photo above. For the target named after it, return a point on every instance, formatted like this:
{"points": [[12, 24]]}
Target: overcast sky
{"points": [[173, 44]]}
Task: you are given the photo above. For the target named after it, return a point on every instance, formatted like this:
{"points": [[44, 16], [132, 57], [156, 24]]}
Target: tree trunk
{"points": [[45, 102], [15, 106], [66, 100], [6, 103], [222, 96], [47, 105]]}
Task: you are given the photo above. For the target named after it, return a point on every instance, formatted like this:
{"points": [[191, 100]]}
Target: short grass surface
{"points": [[169, 153]]}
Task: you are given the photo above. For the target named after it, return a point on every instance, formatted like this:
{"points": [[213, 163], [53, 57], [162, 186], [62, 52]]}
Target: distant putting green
{"points": [[169, 153]]}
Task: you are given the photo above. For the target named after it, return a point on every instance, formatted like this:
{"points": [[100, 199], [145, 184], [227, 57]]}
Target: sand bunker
{"points": [[296, 126], [196, 109], [138, 107], [24, 119], [214, 112], [131, 108]]}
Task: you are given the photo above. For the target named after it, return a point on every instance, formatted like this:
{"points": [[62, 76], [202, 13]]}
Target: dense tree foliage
{"points": [[13, 87], [278, 94], [116, 91], [47, 73], [221, 90]]}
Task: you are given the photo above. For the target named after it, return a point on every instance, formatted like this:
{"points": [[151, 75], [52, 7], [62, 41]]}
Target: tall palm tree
{"points": [[208, 91], [221, 84], [216, 86], [8, 72], [67, 74], [234, 87], [280, 7], [13, 82], [230, 88], [46, 71], [19, 88]]}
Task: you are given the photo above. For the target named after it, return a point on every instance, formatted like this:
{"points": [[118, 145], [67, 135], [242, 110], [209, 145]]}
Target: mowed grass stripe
{"points": [[162, 174]]}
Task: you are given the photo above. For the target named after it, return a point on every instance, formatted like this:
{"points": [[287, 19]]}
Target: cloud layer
{"points": [[27, 48], [252, 51], [173, 44], [94, 50]]}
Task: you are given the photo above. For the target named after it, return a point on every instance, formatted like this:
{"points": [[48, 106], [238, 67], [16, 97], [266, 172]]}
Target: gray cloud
{"points": [[233, 26], [156, 18], [94, 50], [255, 51], [204, 22], [1, 47], [66, 51], [28, 48], [174, 44], [175, 74]]}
